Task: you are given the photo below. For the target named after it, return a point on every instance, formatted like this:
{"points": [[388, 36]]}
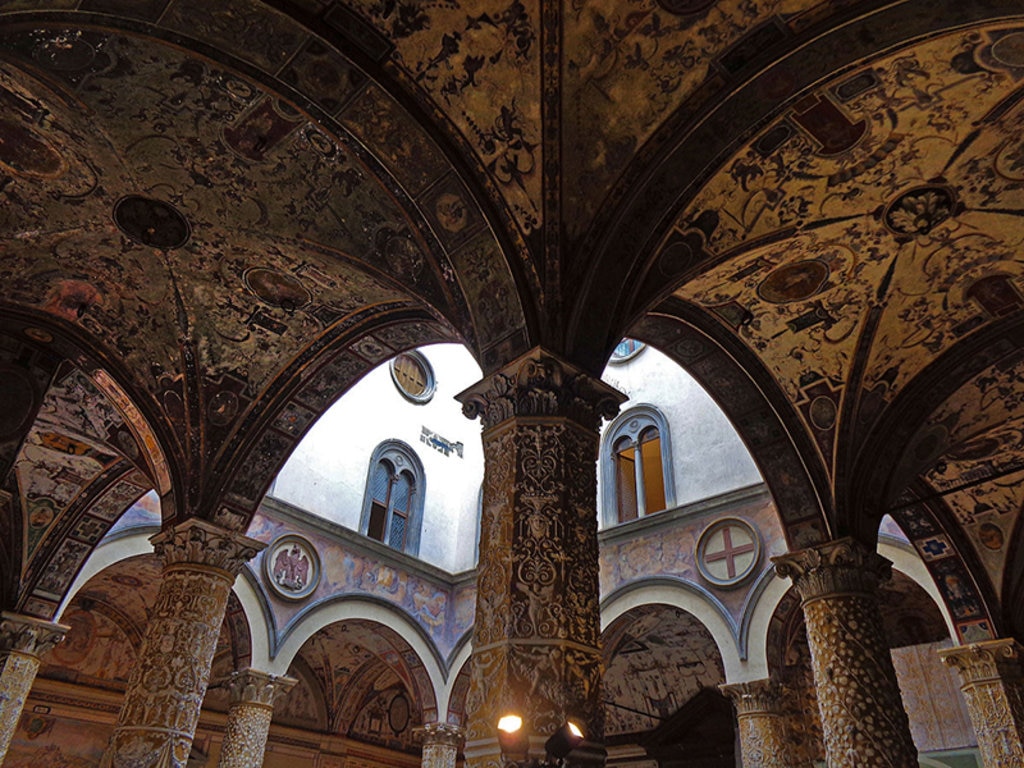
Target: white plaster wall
{"points": [[708, 456], [327, 473]]}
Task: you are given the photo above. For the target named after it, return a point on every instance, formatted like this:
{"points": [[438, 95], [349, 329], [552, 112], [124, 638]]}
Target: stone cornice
{"points": [[842, 566], [29, 635], [198, 542], [541, 384]]}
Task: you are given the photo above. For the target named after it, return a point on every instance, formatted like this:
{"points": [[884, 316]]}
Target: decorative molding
{"points": [[198, 542], [541, 384]]}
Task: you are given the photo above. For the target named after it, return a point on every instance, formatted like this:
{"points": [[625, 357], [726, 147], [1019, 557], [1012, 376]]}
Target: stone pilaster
{"points": [[252, 695], [167, 685], [992, 677], [441, 744], [23, 640], [761, 725], [535, 643], [862, 714]]}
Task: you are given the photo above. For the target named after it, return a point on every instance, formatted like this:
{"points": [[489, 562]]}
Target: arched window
{"points": [[636, 466], [393, 507]]}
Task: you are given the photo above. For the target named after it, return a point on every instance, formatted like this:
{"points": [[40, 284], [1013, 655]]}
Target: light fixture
{"points": [[515, 744]]}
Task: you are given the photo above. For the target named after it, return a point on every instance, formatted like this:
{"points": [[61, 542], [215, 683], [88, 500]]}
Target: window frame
{"points": [[402, 459], [632, 424]]}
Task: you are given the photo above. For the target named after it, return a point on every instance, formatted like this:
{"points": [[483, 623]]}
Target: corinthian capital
{"points": [[201, 543], [251, 686], [988, 661], [445, 734], [541, 384], [755, 697], [25, 634], [835, 567]]}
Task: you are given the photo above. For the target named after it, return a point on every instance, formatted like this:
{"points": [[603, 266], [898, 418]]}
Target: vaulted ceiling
{"points": [[217, 216]]}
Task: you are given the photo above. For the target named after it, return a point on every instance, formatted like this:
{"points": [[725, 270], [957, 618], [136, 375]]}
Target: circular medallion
{"points": [[1009, 50], [26, 153], [728, 552], [920, 210], [398, 713], [823, 412], [151, 222], [291, 567], [414, 377], [991, 536], [451, 212], [793, 282], [67, 52], [223, 407], [279, 289]]}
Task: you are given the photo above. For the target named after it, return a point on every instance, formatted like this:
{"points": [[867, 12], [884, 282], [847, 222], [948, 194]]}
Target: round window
{"points": [[627, 349], [413, 376]]}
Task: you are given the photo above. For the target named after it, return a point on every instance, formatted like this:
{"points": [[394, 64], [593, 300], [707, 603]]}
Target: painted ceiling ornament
{"points": [[291, 566], [151, 222], [920, 210], [728, 552], [277, 288]]}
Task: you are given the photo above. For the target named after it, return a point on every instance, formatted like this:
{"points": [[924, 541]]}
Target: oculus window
{"points": [[413, 376], [393, 506]]}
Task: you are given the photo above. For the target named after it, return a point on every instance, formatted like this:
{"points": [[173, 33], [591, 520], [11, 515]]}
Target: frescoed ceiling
{"points": [[657, 658], [224, 214], [369, 680]]}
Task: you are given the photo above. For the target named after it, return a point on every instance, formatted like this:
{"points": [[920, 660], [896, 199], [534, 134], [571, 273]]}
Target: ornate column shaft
{"points": [[441, 743], [992, 679], [23, 640], [166, 688], [762, 728], [862, 714], [535, 642], [252, 706]]}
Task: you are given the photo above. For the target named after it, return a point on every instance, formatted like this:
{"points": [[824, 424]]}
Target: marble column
{"points": [[23, 640], [166, 687], [441, 743], [252, 695], [761, 725], [862, 715], [992, 677], [535, 641]]}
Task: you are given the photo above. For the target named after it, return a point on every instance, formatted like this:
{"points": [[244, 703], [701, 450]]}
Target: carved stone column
{"points": [[441, 743], [762, 728], [993, 685], [535, 642], [862, 714], [166, 688], [23, 640], [252, 706]]}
